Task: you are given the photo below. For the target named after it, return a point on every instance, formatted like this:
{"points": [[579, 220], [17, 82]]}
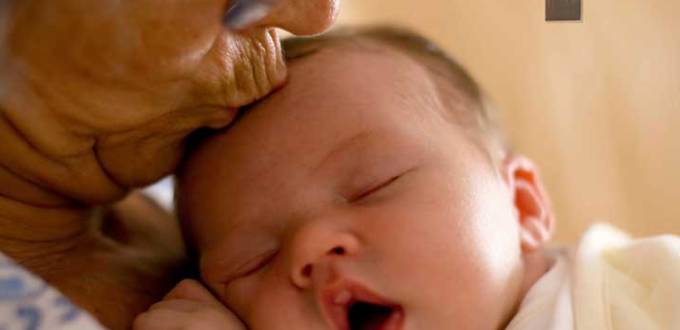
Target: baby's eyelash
{"points": [[253, 265], [366, 192]]}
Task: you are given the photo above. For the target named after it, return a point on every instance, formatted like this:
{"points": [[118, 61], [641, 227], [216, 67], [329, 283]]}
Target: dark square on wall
{"points": [[562, 10]]}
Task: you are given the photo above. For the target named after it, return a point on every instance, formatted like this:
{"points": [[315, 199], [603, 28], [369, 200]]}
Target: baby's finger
{"points": [[160, 319], [187, 315], [179, 305], [191, 290]]}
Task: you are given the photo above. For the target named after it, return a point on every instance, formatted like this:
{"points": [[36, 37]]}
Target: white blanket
{"points": [[608, 282]]}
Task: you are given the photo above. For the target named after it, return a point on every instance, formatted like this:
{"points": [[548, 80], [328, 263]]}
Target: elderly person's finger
{"points": [[295, 16], [242, 13], [97, 96]]}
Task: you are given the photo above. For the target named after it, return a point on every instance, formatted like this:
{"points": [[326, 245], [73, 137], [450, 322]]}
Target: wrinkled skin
{"points": [[96, 98]]}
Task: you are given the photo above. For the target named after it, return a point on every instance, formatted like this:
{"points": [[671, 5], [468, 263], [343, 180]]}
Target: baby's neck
{"points": [[536, 263]]}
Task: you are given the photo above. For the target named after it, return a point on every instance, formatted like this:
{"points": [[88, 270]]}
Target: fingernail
{"points": [[245, 12]]}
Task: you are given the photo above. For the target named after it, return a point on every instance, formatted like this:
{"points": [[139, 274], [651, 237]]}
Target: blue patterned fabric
{"points": [[28, 303]]}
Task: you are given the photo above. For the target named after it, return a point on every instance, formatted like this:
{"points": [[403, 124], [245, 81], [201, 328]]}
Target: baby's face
{"points": [[347, 201]]}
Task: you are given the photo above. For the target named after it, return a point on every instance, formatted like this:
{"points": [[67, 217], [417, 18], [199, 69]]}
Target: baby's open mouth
{"points": [[367, 316], [352, 307]]}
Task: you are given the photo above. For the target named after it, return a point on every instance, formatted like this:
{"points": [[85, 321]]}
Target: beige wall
{"points": [[595, 103]]}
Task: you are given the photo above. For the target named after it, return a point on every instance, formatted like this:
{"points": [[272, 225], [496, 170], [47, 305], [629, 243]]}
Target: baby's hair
{"points": [[470, 108]]}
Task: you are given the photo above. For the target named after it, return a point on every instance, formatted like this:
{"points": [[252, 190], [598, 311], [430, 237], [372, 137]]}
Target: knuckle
{"points": [[182, 288], [185, 284], [143, 321]]}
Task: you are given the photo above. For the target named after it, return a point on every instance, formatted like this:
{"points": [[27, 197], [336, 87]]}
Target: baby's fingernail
{"points": [[245, 12]]}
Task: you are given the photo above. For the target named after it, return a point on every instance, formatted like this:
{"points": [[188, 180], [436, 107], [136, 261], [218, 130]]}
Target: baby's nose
{"points": [[316, 246], [300, 17]]}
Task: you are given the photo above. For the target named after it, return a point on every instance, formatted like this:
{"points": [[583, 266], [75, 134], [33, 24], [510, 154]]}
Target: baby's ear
{"points": [[534, 212]]}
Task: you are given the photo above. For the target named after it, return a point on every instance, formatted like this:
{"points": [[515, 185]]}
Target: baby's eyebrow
{"points": [[342, 146]]}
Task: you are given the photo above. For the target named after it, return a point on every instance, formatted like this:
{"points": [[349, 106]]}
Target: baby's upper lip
{"points": [[337, 298]]}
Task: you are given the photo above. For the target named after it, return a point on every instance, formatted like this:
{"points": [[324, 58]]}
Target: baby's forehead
{"points": [[332, 94], [331, 98]]}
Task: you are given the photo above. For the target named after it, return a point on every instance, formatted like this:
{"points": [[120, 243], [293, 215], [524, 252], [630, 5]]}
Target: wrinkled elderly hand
{"points": [[97, 96]]}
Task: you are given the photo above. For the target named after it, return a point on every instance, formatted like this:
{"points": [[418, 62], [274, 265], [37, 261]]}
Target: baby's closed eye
{"points": [[375, 186], [236, 259], [251, 265], [372, 188]]}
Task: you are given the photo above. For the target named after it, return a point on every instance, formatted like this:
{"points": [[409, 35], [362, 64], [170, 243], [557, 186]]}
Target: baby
{"points": [[372, 192]]}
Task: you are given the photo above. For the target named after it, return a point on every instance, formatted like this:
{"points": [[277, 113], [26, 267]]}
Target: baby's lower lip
{"points": [[394, 322]]}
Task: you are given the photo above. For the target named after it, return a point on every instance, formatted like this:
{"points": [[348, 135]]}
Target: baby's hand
{"points": [[189, 306]]}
